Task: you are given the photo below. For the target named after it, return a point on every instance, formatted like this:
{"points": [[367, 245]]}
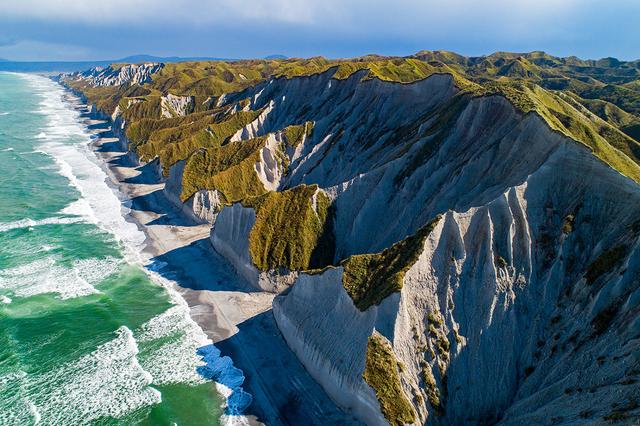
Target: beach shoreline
{"points": [[235, 317]]}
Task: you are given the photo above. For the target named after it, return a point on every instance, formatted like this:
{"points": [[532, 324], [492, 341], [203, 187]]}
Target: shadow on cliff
{"points": [[103, 127], [198, 267], [256, 359], [148, 172], [276, 379], [156, 202]]}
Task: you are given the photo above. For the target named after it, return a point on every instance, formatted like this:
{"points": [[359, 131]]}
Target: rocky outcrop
{"points": [[310, 317], [270, 168], [176, 106], [485, 324], [117, 76], [256, 127]]}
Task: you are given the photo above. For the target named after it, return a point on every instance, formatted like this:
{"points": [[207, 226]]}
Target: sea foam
{"points": [[187, 357], [29, 223], [49, 276], [117, 384]]}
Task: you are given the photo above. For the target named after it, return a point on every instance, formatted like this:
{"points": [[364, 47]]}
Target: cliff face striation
{"points": [[453, 240], [119, 75]]}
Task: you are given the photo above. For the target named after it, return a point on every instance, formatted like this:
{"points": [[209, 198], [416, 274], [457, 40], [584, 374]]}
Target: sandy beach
{"points": [[235, 317]]}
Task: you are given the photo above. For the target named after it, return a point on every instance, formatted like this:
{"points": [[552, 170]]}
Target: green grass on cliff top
{"points": [[509, 75], [229, 169], [371, 278]]}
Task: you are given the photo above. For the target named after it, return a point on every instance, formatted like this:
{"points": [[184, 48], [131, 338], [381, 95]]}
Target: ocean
{"points": [[88, 335]]}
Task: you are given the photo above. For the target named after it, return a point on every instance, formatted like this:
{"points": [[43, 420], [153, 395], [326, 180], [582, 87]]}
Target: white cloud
{"points": [[178, 11], [314, 12], [235, 28]]}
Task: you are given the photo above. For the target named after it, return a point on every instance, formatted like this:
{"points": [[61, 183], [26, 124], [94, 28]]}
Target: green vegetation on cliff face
{"points": [[173, 144], [381, 373], [518, 77], [595, 103], [229, 169], [293, 229], [138, 132], [401, 70], [295, 134], [613, 115], [371, 278], [213, 78]]}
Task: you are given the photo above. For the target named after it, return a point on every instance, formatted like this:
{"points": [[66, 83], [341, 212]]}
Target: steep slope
{"points": [[474, 227], [520, 311]]}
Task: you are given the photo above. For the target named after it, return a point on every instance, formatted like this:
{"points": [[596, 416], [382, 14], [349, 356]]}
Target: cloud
{"points": [[245, 28], [147, 11], [320, 12]]}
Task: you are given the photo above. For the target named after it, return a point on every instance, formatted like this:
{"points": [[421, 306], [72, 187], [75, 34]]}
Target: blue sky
{"points": [[110, 29]]}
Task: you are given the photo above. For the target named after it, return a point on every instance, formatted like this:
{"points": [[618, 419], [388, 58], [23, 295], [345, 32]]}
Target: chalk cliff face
{"points": [[479, 255], [497, 316], [173, 105], [527, 211], [117, 76]]}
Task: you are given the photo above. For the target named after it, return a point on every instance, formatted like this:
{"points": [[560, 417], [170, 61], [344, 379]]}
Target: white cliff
{"points": [[129, 73], [522, 304], [531, 341], [176, 106]]}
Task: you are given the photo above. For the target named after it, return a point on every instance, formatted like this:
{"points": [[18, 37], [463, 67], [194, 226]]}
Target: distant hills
{"points": [[71, 66]]}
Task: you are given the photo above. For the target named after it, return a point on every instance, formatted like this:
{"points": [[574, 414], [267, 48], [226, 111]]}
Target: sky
{"points": [[47, 30]]}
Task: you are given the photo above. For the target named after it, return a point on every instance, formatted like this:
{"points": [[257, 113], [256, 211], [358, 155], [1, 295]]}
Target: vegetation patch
{"points": [[381, 373], [596, 103], [295, 134], [293, 229], [431, 387], [146, 107], [567, 225], [229, 169], [177, 143], [139, 131], [371, 278]]}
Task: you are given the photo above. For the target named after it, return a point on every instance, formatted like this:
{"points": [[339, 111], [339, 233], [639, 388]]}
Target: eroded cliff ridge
{"points": [[454, 239]]}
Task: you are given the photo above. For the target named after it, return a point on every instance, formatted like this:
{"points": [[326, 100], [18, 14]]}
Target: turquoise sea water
{"points": [[87, 336]]}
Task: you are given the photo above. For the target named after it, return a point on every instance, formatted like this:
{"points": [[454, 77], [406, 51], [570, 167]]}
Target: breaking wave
{"points": [[49, 276], [29, 223], [181, 353]]}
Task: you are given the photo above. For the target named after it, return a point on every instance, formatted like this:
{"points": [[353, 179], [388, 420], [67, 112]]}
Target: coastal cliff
{"points": [[446, 248]]}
